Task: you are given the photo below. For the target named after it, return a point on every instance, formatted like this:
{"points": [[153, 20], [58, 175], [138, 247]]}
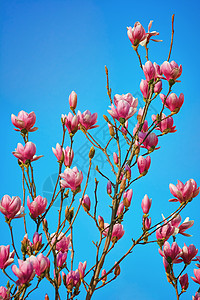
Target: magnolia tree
{"points": [[49, 255]]}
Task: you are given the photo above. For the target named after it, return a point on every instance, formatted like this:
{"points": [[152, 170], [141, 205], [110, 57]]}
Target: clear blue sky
{"points": [[48, 49]]}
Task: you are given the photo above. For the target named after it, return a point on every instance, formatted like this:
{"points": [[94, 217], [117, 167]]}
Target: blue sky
{"points": [[48, 49]]}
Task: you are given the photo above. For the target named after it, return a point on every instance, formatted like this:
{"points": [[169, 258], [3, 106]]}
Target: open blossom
{"points": [[184, 281], [86, 203], [24, 121], [73, 100], [71, 122], [146, 204], [197, 277], [71, 279], [148, 36], [164, 232], [68, 156], [11, 207], [87, 119], [188, 253], [25, 272], [63, 243], [117, 233], [27, 152], [183, 227], [197, 295], [6, 257], [81, 269], [171, 70], [61, 258], [126, 106], [40, 263], [4, 293], [58, 152], [173, 102], [37, 207], [171, 254], [136, 34], [72, 179], [184, 192], [143, 164], [127, 196]]}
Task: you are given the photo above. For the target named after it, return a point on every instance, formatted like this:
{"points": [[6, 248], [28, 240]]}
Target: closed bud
{"points": [[115, 158], [123, 184], [45, 224], [103, 273], [73, 100], [109, 188], [111, 130], [105, 118], [70, 215], [101, 222], [92, 152], [117, 270], [46, 297], [59, 280]]}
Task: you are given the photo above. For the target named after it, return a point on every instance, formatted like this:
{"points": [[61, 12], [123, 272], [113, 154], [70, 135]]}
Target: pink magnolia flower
{"points": [[24, 121], [197, 277], [166, 125], [164, 232], [11, 208], [136, 34], [158, 87], [71, 122], [171, 70], [125, 107], [6, 257], [148, 36], [58, 152], [71, 279], [143, 164], [150, 142], [115, 158], [183, 227], [196, 297], [26, 153], [171, 254], [86, 203], [188, 253], [37, 207], [144, 88], [4, 293], [127, 196], [68, 156], [149, 70], [146, 204], [72, 179], [81, 269], [120, 209], [64, 242], [124, 128], [117, 233], [40, 263], [184, 192], [147, 223], [184, 281], [87, 119], [109, 187], [73, 100], [61, 258], [173, 102], [37, 241], [25, 272]]}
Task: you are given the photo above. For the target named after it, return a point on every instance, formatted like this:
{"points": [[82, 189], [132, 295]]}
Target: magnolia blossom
{"points": [[71, 279], [64, 242], [147, 223], [196, 278], [146, 204], [166, 125], [120, 209], [11, 207], [61, 258], [184, 281], [40, 263], [143, 164], [188, 253], [171, 70], [37, 241], [86, 203], [6, 257], [81, 269], [126, 106], [197, 295], [58, 152], [115, 158], [4, 293], [71, 122], [73, 100], [164, 232], [26, 153], [68, 156], [25, 272], [148, 36], [149, 141], [136, 34], [171, 254], [37, 207], [72, 179], [173, 102], [183, 227], [149, 71], [184, 192], [87, 119], [117, 233], [24, 121], [127, 196]]}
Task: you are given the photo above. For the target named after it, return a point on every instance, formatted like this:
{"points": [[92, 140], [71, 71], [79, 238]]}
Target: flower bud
{"points": [[117, 270], [146, 204], [86, 203], [101, 222], [46, 297], [102, 274], [92, 152], [73, 100], [109, 188], [115, 158]]}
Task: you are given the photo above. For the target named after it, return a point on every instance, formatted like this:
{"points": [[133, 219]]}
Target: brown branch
{"points": [[172, 38]]}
